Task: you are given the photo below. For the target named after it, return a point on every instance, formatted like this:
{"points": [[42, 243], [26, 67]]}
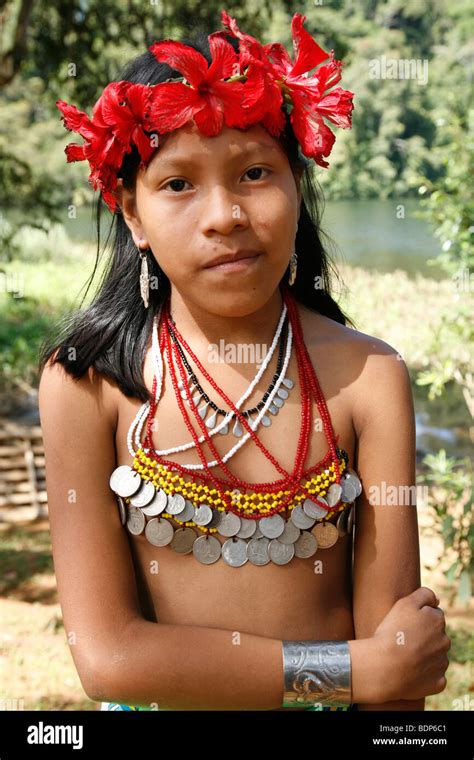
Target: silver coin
{"points": [[273, 526], [183, 540], [159, 531], [215, 519], [202, 515], [229, 524], [349, 491], [322, 500], [234, 552], [280, 553], [122, 509], [176, 504], [290, 533], [282, 393], [306, 545], [125, 481], [313, 510], [207, 549], [354, 478], [257, 551], [341, 523], [301, 519], [135, 521], [333, 495], [278, 401], [144, 495], [247, 528], [258, 533], [157, 505], [350, 519], [187, 513]]}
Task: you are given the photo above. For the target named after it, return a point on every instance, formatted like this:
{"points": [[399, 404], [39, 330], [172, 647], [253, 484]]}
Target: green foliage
{"points": [[450, 500], [449, 206], [395, 120], [24, 323], [99, 36], [462, 645], [31, 164]]}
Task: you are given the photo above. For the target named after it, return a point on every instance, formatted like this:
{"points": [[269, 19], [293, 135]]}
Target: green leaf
{"points": [[465, 586], [450, 574]]}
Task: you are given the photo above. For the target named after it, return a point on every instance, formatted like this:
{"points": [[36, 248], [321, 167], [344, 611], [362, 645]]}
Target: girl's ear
{"points": [[126, 200]]}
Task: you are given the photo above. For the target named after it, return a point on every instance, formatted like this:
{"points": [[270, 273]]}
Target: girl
{"points": [[211, 421]]}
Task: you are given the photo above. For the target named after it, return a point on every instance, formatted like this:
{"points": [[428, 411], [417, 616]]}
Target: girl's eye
{"points": [[257, 169], [173, 181], [177, 180]]}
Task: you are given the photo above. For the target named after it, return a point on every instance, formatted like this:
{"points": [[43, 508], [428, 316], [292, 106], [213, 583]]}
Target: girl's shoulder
{"points": [[58, 387], [367, 371], [321, 332]]}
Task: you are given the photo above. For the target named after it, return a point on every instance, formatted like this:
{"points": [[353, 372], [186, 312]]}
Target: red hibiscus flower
{"points": [[235, 89], [207, 98], [270, 66], [119, 120]]}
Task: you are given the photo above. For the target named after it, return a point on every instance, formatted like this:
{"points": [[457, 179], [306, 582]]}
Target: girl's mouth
{"points": [[238, 265]]}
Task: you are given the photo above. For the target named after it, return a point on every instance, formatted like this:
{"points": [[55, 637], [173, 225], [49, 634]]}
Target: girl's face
{"points": [[201, 198]]}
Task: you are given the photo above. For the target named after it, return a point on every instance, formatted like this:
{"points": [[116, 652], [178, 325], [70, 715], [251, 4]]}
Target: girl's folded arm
{"points": [[386, 546]]}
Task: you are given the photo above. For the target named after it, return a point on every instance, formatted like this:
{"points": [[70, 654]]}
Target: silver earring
{"points": [[293, 265], [144, 279]]}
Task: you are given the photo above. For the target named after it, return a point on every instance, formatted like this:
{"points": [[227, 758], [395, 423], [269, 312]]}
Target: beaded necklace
{"points": [[271, 404], [274, 522], [202, 395], [267, 404]]}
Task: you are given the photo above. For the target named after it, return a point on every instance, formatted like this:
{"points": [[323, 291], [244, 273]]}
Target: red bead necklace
{"points": [[308, 391]]}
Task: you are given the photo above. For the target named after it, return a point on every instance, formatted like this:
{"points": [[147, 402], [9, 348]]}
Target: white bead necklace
{"points": [[158, 363]]}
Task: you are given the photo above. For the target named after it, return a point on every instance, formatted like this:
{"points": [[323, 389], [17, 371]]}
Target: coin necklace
{"points": [[256, 530]]}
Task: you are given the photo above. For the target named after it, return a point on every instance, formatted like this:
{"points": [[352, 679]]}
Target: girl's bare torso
{"points": [[304, 599]]}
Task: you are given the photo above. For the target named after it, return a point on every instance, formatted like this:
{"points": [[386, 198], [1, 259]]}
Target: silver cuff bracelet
{"points": [[316, 672]]}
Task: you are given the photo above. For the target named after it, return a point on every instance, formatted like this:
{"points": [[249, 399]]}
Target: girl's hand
{"points": [[411, 644]]}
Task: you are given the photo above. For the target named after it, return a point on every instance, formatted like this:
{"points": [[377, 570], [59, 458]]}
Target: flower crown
{"points": [[128, 114]]}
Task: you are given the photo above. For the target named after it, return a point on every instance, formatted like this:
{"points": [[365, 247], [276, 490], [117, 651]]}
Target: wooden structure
{"points": [[22, 472]]}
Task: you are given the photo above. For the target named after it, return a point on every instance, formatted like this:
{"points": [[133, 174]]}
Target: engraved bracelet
{"points": [[316, 672]]}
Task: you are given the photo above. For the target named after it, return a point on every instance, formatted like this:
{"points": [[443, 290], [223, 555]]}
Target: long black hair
{"points": [[112, 333]]}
